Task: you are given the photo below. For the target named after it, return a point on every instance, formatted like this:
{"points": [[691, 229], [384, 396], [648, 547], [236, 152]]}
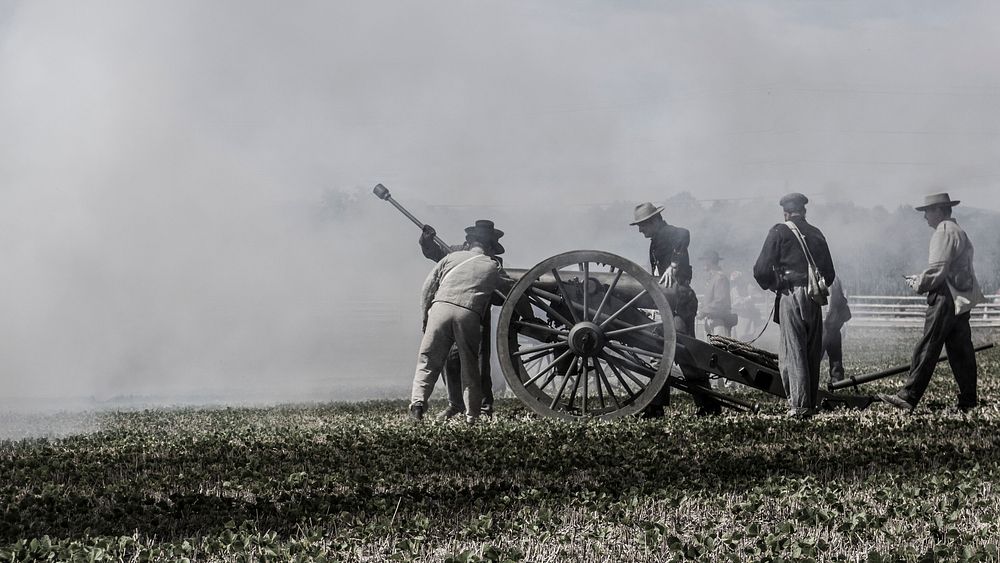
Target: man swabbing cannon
{"points": [[668, 259], [790, 250], [453, 365], [952, 290], [455, 297]]}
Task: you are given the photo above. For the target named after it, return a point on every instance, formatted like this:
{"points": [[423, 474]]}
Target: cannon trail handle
{"points": [[382, 193], [859, 379]]}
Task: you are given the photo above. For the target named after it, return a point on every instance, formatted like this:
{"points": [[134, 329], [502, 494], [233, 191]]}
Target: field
{"points": [[356, 482]]}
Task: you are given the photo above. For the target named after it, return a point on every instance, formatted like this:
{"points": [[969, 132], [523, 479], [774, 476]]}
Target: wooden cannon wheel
{"points": [[574, 343]]}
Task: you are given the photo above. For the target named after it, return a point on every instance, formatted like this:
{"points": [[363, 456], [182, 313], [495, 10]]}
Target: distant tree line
{"points": [[873, 248]]}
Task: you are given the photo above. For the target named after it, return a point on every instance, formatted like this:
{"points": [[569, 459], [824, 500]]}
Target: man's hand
{"points": [[912, 281], [428, 233], [669, 277]]}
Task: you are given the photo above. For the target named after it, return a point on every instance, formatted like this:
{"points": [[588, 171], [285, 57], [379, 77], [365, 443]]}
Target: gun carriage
{"points": [[587, 334]]}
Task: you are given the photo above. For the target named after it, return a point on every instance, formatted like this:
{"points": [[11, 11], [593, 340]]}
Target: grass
{"points": [[359, 482]]}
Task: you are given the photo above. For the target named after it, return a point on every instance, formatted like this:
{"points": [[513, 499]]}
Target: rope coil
{"points": [[745, 350]]}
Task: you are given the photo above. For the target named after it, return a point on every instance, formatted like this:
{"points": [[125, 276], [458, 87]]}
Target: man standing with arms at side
{"points": [[668, 259], [718, 307], [453, 365], [783, 267], [455, 295], [952, 290], [838, 313]]}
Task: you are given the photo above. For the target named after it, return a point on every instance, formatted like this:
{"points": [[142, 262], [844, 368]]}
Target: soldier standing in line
{"points": [[453, 366], [668, 258], [717, 310], [952, 290], [837, 314], [455, 296], [783, 267]]}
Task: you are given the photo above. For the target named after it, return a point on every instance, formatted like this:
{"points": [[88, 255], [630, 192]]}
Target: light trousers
{"points": [[801, 349], [449, 325]]}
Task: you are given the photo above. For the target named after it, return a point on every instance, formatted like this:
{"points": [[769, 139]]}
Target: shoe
{"points": [[417, 412], [801, 413], [486, 410], [471, 420], [448, 413], [652, 412], [896, 401], [966, 408]]}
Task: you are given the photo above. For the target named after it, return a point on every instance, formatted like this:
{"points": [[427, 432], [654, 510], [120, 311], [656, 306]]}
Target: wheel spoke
{"points": [[600, 389], [629, 366], [536, 357], [618, 374], [543, 328], [638, 351], [611, 289], [624, 308], [621, 380], [562, 387], [547, 368], [576, 384], [586, 287], [565, 295], [586, 380], [633, 328], [538, 302], [601, 376], [540, 347]]}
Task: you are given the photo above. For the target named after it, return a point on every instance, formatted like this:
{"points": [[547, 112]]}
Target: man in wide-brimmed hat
{"points": [[952, 290], [791, 250], [483, 230], [668, 259], [455, 296]]}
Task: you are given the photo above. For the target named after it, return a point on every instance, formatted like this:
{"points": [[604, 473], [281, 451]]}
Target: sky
{"points": [[164, 165]]}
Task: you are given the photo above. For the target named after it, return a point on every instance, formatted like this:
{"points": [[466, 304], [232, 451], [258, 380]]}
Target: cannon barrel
{"points": [[626, 288], [859, 379]]}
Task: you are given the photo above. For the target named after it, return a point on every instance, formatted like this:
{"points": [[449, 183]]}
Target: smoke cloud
{"points": [[185, 185]]}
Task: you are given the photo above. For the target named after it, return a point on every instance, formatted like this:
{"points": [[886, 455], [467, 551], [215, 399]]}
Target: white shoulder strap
{"points": [[459, 265], [802, 242]]}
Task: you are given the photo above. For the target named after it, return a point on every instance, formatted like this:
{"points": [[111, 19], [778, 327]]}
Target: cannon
{"points": [[588, 334]]}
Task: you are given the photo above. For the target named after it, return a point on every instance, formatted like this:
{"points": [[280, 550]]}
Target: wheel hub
{"points": [[586, 339]]}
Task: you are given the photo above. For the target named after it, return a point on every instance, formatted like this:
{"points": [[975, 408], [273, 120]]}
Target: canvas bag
{"points": [[816, 288]]}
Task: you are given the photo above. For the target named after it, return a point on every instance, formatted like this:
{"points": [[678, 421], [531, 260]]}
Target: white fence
{"points": [[894, 311]]}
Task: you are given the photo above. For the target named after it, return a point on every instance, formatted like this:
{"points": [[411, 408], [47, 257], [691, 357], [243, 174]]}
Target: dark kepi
{"points": [[793, 202]]}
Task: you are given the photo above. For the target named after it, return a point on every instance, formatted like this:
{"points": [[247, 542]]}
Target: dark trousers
{"points": [[833, 348], [943, 328], [453, 372], [684, 324]]}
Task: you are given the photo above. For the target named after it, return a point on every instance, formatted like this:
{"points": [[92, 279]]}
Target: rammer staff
{"points": [[383, 193]]}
